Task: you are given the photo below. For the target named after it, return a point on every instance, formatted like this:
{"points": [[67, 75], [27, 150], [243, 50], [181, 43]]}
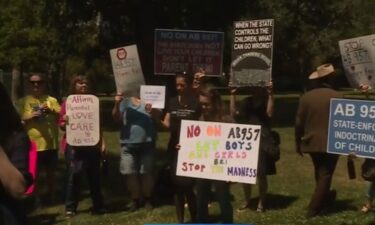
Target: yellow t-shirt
{"points": [[42, 130]]}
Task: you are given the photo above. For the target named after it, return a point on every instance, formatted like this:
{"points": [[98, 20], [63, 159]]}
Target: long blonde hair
{"points": [[216, 103]]}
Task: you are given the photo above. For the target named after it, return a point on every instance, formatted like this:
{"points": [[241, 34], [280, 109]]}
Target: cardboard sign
{"points": [[352, 128], [252, 53], [127, 68], [84, 127], [188, 50], [358, 59], [219, 151], [154, 95]]}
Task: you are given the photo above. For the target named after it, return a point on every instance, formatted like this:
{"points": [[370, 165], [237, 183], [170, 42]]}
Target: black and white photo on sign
{"points": [[252, 53]]}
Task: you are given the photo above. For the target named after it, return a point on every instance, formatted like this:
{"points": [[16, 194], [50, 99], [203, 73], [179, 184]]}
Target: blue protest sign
{"points": [[352, 127]]}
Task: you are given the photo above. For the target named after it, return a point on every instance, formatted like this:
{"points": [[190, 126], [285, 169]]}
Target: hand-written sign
{"points": [[154, 95], [352, 127], [127, 68], [252, 52], [83, 127], [358, 59], [188, 50], [219, 151]]}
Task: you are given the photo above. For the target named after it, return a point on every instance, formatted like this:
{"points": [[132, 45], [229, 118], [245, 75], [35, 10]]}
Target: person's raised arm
{"points": [[116, 114], [270, 99], [232, 101], [166, 122]]}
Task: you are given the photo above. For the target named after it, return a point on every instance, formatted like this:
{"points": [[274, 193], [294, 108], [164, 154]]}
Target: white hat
{"points": [[322, 71]]}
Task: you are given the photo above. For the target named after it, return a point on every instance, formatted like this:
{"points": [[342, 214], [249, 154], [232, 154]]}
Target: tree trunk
{"points": [[16, 84]]}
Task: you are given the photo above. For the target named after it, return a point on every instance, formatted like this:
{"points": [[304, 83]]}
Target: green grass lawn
{"points": [[289, 194], [289, 191]]}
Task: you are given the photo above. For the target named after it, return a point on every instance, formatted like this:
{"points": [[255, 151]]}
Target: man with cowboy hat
{"points": [[311, 132]]}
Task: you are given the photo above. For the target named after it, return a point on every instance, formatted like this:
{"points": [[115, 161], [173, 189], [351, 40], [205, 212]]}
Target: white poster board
{"points": [[154, 95], [358, 59], [83, 128], [127, 68], [219, 151]]}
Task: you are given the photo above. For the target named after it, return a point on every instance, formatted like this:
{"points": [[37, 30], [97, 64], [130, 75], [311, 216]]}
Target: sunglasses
{"points": [[34, 82]]}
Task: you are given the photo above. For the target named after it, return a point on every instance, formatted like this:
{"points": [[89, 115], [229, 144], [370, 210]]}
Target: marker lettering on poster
{"points": [[208, 149], [83, 127], [193, 131]]}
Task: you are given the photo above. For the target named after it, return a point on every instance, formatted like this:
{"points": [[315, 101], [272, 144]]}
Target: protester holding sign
{"points": [[184, 106], [14, 161], [137, 138], [81, 159], [257, 109], [212, 110], [367, 206], [311, 132]]}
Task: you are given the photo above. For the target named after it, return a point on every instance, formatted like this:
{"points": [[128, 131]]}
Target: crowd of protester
{"points": [[38, 116]]}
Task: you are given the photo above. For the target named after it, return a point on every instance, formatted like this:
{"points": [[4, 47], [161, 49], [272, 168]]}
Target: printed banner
{"points": [[154, 95], [352, 128], [83, 128], [358, 59], [252, 53], [127, 68], [219, 151], [188, 50]]}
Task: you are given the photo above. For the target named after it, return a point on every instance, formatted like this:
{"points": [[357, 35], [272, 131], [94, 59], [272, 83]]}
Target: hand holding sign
{"points": [[219, 151]]}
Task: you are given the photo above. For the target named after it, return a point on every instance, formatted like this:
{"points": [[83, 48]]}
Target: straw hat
{"points": [[322, 71]]}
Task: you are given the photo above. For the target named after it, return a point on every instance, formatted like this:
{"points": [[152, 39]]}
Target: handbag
{"points": [[368, 169], [271, 144]]}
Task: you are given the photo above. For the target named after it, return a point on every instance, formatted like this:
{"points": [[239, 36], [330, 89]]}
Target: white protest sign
{"points": [[358, 59], [154, 95], [83, 127], [219, 151], [127, 68]]}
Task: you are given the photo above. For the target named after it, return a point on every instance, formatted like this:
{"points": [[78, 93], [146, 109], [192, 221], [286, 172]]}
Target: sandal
{"points": [[244, 207], [366, 208]]}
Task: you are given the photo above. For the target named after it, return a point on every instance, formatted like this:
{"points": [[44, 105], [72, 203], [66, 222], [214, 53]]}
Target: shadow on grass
{"points": [[45, 219], [340, 206], [274, 201]]}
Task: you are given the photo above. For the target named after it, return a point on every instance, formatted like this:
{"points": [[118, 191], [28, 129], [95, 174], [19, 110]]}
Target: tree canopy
{"points": [[64, 37]]}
